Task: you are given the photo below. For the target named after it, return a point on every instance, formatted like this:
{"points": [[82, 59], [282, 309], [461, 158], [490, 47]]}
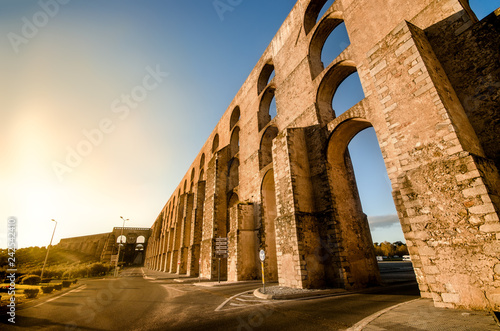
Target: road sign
{"points": [[221, 239], [114, 258], [262, 255]]}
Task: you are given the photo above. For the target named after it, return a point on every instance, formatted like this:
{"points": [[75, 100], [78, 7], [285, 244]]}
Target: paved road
{"points": [[132, 302]]}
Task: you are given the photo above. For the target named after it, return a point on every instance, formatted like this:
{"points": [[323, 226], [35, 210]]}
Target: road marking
{"points": [[79, 289], [250, 300], [234, 296], [75, 290], [365, 321], [237, 304]]}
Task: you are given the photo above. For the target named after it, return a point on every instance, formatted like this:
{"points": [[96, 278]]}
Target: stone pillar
{"points": [[179, 219], [214, 214], [196, 228], [446, 190], [242, 244], [185, 233]]}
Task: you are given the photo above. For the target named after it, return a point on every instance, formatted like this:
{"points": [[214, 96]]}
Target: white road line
{"points": [[249, 300], [75, 290], [237, 304], [234, 296]]}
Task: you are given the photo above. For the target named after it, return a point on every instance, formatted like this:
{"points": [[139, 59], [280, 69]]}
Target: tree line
{"points": [[390, 249]]}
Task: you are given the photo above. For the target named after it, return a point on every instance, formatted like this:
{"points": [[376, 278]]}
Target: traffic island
{"points": [[287, 293]]}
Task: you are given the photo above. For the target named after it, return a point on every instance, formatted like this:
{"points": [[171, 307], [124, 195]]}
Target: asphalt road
{"points": [[132, 302]]}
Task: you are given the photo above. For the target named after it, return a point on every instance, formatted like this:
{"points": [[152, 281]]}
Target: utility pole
{"points": [[119, 246], [48, 248]]}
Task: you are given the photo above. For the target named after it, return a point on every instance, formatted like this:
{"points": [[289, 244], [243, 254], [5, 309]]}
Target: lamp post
{"points": [[119, 246], [48, 248]]}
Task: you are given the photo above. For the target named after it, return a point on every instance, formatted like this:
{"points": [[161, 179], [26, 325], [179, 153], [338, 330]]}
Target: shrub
{"points": [[58, 287], [66, 283], [31, 280], [31, 293], [98, 269], [47, 289]]}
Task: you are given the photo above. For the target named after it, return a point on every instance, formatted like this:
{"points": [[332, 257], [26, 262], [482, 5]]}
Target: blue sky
{"points": [[68, 77]]}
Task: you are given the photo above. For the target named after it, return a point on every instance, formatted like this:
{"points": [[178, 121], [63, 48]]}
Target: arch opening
{"points": [[235, 117], [363, 195], [267, 109], [215, 143], [233, 179], [335, 43], [202, 161], [265, 77], [140, 240], [329, 87], [348, 93], [235, 142], [314, 12], [483, 8], [266, 146], [331, 29], [121, 239]]}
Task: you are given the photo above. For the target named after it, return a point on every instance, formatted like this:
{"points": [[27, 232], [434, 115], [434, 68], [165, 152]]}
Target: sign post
{"points": [[262, 256], [220, 251]]}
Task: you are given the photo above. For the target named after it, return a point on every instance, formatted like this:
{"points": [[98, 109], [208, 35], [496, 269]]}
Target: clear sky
{"points": [[66, 71]]}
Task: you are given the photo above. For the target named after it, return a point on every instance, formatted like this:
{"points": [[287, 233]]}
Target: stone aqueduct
{"points": [[430, 74], [102, 246]]}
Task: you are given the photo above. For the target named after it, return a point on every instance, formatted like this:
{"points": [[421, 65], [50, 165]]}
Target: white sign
{"points": [[114, 258], [262, 255]]}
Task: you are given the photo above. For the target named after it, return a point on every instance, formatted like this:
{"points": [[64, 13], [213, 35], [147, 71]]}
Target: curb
{"points": [[364, 322], [331, 292], [225, 283]]}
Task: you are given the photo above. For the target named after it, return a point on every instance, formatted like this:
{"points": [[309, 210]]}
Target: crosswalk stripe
{"points": [[247, 300]]}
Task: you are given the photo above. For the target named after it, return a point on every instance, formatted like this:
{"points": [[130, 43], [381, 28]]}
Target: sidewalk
{"points": [[420, 314]]}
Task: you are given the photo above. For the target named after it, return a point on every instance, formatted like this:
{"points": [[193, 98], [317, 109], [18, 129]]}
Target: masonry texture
{"points": [[102, 246], [430, 74]]}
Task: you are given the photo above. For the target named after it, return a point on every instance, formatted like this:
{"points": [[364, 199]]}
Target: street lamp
{"points": [[48, 248], [119, 246]]}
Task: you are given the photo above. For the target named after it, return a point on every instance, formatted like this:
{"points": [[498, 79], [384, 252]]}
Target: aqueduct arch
{"points": [[436, 121]]}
